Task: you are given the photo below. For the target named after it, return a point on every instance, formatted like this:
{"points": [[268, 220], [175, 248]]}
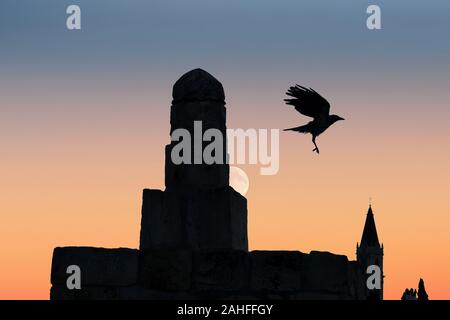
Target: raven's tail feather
{"points": [[302, 129]]}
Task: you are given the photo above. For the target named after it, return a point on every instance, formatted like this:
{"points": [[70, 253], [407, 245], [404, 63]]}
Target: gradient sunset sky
{"points": [[84, 117]]}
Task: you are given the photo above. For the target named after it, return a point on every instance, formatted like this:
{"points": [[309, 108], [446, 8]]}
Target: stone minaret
{"points": [[370, 252], [198, 210]]}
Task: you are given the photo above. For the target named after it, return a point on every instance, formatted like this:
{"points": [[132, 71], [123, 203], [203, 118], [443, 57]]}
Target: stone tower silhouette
{"points": [[198, 210], [370, 252]]}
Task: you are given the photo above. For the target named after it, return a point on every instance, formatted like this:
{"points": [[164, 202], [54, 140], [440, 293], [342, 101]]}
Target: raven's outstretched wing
{"points": [[308, 102]]}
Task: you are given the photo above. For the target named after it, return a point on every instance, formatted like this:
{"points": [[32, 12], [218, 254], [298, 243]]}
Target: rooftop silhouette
{"points": [[370, 236]]}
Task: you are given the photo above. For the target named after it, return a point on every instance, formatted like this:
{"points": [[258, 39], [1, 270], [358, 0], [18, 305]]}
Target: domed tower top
{"points": [[198, 105], [197, 85]]}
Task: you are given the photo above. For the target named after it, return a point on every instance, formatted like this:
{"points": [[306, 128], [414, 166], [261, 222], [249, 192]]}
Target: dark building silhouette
{"points": [[370, 252], [193, 238]]}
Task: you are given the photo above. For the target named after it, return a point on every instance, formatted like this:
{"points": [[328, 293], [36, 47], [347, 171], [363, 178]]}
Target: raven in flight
{"points": [[309, 103]]}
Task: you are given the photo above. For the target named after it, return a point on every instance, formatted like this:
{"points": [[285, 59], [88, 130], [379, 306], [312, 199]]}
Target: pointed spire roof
{"points": [[370, 236]]}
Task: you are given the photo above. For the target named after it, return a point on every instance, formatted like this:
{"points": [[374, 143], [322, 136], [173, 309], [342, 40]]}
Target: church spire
{"points": [[370, 253], [370, 236]]}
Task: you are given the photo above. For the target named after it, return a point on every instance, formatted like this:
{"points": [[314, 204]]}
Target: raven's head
{"points": [[334, 118]]}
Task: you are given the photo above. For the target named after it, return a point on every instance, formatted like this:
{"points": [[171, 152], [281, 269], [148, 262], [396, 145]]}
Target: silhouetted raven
{"points": [[309, 103]]}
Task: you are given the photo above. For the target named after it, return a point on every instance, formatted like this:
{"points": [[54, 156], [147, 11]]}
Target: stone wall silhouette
{"points": [[193, 240]]}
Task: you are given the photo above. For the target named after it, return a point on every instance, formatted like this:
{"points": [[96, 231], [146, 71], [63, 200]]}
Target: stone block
{"points": [[59, 292], [194, 219], [276, 270], [99, 266], [141, 293], [314, 296], [325, 272], [165, 270], [116, 293], [356, 281], [212, 114], [195, 175], [226, 270], [159, 226]]}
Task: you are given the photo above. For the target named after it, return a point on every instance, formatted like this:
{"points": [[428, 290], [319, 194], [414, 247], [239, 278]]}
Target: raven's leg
{"points": [[316, 149]]}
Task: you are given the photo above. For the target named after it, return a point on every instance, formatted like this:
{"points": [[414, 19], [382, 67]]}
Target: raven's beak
{"points": [[339, 118]]}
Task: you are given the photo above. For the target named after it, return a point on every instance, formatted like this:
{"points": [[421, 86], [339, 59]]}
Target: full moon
{"points": [[239, 180]]}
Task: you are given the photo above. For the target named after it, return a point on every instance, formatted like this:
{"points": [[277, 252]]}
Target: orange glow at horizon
{"points": [[77, 180]]}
